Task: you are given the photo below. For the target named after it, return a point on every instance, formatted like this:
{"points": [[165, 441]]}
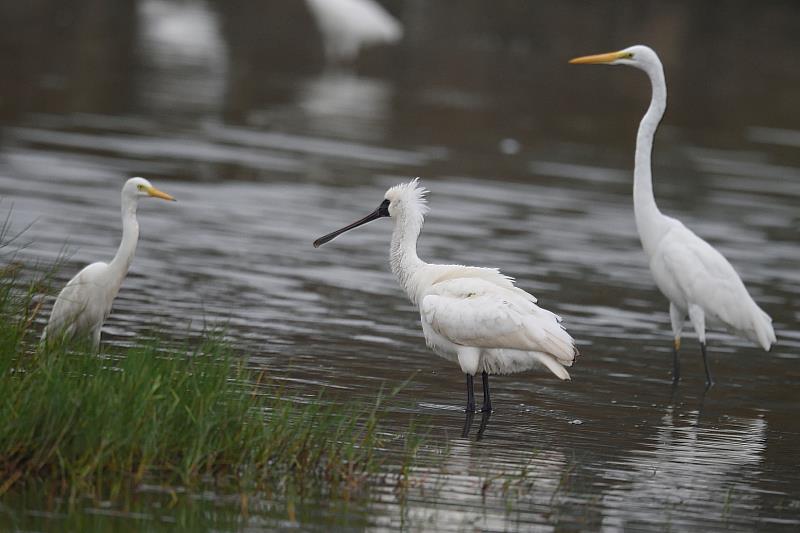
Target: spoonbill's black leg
{"points": [[467, 424], [676, 363], [487, 401], [709, 379], [484, 422], [470, 395]]}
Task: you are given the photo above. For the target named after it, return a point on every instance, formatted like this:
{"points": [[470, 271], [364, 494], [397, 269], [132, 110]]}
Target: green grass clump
{"points": [[184, 416], [176, 417]]}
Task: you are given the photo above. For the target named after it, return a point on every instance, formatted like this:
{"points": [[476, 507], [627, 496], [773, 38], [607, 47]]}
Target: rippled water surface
{"points": [[528, 162]]}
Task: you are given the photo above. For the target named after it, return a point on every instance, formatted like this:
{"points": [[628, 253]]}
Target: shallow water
{"points": [[529, 165]]}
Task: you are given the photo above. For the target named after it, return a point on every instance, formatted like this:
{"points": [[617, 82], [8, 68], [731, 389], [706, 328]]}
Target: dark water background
{"points": [[230, 106]]}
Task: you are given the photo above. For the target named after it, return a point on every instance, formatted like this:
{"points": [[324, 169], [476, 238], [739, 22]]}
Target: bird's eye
{"points": [[140, 187], [629, 55]]}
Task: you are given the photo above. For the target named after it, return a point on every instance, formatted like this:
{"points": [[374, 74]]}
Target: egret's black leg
{"points": [[709, 379], [487, 401], [676, 363], [470, 395]]}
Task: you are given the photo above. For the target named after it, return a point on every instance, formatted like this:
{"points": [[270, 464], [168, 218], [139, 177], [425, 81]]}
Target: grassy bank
{"points": [[177, 415]]}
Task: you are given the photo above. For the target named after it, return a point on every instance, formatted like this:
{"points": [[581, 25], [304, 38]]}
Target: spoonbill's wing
{"points": [[475, 312], [492, 275]]}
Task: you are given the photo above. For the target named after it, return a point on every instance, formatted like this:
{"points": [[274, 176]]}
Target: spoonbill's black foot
{"points": [[467, 425], [484, 422]]}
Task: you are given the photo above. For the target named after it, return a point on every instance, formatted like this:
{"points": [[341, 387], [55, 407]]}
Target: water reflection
{"points": [[484, 423], [183, 57], [340, 104], [695, 469], [468, 490]]}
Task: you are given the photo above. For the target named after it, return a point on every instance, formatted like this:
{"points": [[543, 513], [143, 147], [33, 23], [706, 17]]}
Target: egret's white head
{"points": [[405, 201], [138, 187], [639, 56]]}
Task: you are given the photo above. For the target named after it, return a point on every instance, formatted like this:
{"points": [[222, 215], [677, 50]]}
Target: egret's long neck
{"points": [[130, 235], [403, 252], [648, 217]]}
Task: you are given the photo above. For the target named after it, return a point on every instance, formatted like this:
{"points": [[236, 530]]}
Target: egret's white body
{"points": [[349, 25], [698, 281], [85, 302], [471, 315]]}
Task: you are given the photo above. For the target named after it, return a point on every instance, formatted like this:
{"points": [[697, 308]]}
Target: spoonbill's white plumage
{"points": [[85, 302], [349, 25], [698, 281], [472, 315]]}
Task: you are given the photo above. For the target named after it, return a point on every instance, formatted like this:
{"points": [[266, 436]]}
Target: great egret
{"points": [[85, 302], [696, 279], [349, 25], [472, 315]]}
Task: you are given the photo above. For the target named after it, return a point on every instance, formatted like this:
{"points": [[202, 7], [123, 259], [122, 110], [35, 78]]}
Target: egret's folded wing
{"points": [[707, 279]]}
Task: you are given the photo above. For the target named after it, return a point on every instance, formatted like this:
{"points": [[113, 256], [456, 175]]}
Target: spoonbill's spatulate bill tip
{"points": [[472, 315]]}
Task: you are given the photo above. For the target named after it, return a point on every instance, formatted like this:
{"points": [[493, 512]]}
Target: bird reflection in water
{"points": [[470, 416]]}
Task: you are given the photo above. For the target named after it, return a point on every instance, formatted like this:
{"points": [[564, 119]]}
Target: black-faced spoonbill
{"points": [[472, 315], [695, 278], [85, 302]]}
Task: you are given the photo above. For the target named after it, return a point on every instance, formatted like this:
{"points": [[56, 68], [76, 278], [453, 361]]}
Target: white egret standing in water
{"points": [[472, 315], [85, 302], [349, 25], [696, 278]]}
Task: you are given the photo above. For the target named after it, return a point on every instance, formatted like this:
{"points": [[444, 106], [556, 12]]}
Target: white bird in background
{"points": [[472, 315], [85, 302], [349, 25], [696, 278]]}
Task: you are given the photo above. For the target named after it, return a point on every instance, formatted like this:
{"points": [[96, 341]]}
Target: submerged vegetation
{"points": [[187, 416]]}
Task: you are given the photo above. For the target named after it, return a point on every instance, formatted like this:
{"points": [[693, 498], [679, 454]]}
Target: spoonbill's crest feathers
{"points": [[409, 195]]}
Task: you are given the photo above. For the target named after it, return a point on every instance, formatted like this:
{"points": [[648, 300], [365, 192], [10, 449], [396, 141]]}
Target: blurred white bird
{"points": [[696, 278], [472, 315], [85, 302], [349, 25]]}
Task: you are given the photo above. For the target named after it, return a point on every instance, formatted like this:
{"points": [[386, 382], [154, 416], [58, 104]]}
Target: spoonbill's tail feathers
{"points": [[554, 366], [502, 361]]}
